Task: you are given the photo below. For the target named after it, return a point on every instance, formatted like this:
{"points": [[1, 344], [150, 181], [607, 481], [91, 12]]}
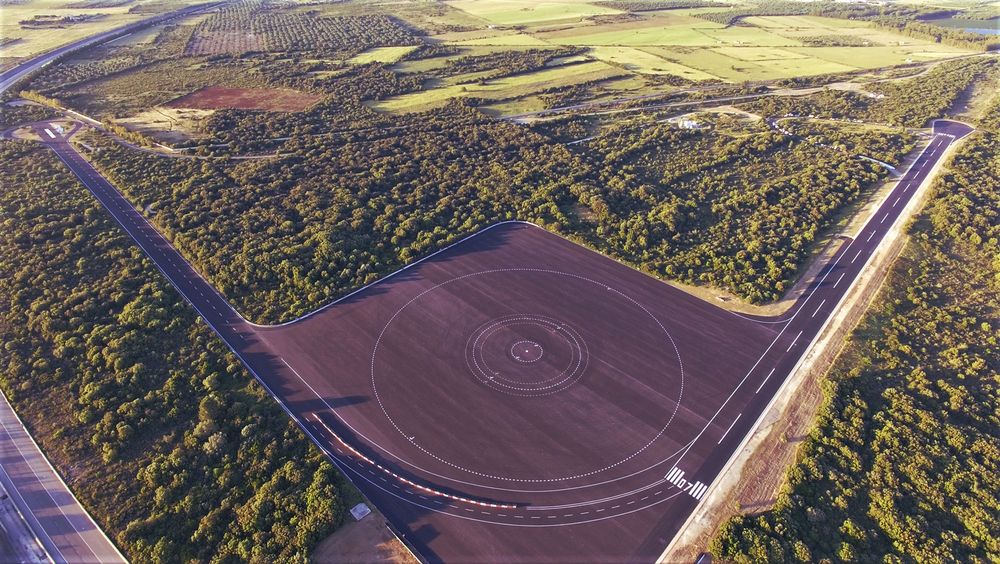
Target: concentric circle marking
{"points": [[526, 376], [526, 351], [670, 412]]}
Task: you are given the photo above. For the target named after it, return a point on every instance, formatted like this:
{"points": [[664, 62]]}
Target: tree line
{"points": [[911, 102]]}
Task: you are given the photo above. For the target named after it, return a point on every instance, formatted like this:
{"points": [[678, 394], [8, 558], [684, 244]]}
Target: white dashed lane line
{"points": [[762, 383], [819, 308], [731, 425], [795, 340]]}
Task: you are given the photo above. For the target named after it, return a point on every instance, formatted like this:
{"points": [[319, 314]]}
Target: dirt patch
{"points": [[269, 99], [368, 540], [168, 125]]}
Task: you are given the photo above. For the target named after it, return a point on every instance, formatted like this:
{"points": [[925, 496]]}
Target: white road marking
{"points": [[673, 473], [765, 380], [729, 429], [885, 217], [795, 340], [896, 202], [818, 308], [856, 256], [872, 234], [839, 279], [699, 491]]}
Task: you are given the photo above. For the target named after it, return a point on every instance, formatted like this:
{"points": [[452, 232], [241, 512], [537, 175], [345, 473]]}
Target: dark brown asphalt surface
{"points": [[518, 397]]}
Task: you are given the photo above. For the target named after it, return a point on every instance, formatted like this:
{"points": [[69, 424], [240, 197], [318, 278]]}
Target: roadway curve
{"points": [[445, 518]]}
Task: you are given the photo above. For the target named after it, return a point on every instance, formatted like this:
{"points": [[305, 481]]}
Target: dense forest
{"points": [[158, 429], [888, 145], [738, 209], [740, 212], [23, 113], [904, 461]]}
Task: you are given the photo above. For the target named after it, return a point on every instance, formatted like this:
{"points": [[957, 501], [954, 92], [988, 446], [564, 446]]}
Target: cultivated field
{"points": [[381, 55], [520, 12]]}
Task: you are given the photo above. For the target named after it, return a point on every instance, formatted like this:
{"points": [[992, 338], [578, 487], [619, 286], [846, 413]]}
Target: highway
{"points": [[12, 76], [432, 510]]}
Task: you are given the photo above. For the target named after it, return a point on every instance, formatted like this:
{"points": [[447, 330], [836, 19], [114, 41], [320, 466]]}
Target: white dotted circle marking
{"points": [[411, 439]]}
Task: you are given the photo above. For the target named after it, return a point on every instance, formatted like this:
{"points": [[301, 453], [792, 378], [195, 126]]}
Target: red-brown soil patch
{"points": [[221, 97]]}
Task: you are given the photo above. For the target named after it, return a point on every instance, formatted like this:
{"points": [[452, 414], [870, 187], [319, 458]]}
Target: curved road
{"points": [[447, 519]]}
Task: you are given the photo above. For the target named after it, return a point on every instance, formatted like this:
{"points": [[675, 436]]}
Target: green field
{"points": [[381, 55], [645, 63], [500, 89], [506, 40], [515, 12], [642, 47]]}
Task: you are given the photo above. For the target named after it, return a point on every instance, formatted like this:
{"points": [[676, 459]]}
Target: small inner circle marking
{"points": [[526, 351]]}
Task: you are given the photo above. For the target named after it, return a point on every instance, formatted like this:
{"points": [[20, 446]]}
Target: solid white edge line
{"points": [[14, 491], [47, 491]]}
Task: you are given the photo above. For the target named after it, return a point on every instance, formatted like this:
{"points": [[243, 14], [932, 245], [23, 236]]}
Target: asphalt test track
{"points": [[517, 397]]}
